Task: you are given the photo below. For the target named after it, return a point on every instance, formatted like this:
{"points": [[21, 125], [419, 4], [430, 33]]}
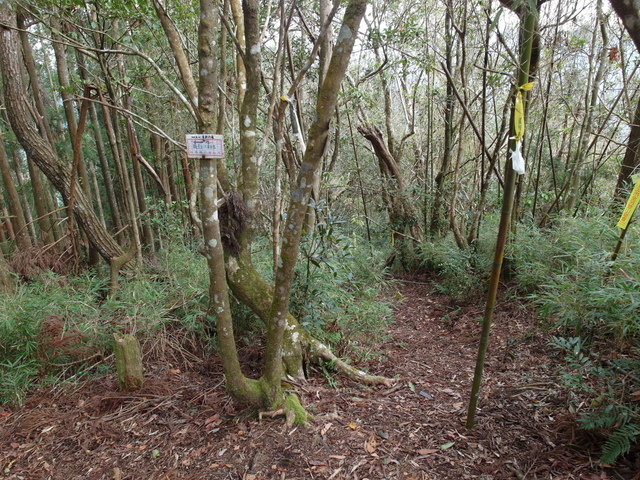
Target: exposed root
{"points": [[319, 351], [292, 410]]}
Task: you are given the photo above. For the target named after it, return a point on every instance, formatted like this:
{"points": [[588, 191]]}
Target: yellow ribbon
{"points": [[632, 203], [518, 114]]}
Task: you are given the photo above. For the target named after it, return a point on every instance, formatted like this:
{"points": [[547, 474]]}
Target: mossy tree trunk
{"points": [[284, 335], [240, 387], [126, 349]]}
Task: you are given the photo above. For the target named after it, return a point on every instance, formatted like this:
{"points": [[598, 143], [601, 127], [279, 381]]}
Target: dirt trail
{"points": [[182, 425]]}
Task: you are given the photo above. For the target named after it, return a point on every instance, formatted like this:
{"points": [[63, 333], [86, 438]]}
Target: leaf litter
{"points": [[182, 424]]}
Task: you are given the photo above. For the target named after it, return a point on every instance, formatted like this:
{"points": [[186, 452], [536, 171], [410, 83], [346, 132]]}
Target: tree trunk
{"points": [[317, 139], [403, 217], [38, 148], [26, 207], [240, 387], [6, 281], [631, 160], [629, 13], [72, 125], [591, 103], [126, 349], [23, 241], [437, 214]]}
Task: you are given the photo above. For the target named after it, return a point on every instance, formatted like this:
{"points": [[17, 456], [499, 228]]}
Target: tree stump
{"points": [[6, 281], [128, 362]]}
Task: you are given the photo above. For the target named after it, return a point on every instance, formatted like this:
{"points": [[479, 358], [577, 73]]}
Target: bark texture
{"points": [[6, 281], [37, 148], [126, 349], [629, 13]]}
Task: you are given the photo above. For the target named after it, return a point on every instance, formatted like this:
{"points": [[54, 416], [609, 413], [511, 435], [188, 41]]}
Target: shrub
{"points": [[595, 304], [337, 287]]}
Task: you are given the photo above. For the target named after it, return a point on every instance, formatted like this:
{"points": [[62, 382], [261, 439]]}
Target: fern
{"points": [[619, 443], [608, 417]]}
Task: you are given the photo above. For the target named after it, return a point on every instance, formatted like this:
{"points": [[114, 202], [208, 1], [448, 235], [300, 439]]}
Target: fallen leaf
{"points": [[447, 445], [213, 419], [427, 451], [352, 426], [371, 444], [326, 428]]}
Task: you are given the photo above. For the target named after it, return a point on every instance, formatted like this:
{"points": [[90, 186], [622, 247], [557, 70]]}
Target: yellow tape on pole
{"points": [[631, 205], [518, 114]]}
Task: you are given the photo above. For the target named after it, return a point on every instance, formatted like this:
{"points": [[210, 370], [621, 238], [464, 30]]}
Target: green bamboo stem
{"points": [[528, 22]]}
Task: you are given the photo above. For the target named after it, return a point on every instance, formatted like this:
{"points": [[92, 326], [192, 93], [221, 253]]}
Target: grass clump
{"points": [[594, 306], [52, 326]]}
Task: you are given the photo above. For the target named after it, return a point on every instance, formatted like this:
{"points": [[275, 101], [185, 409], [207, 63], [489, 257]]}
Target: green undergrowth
{"points": [[164, 302], [167, 295], [459, 273], [594, 306], [338, 288], [591, 305]]}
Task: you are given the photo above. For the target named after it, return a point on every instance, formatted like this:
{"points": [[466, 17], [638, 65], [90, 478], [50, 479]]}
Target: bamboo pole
{"points": [[528, 21]]}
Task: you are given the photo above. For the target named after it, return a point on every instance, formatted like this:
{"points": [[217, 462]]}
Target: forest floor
{"points": [[182, 425]]}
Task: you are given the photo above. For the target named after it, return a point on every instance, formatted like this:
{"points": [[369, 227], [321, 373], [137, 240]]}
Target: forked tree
{"points": [[284, 336]]}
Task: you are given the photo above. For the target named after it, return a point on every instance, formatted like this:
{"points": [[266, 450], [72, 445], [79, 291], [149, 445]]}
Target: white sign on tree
{"points": [[205, 145]]}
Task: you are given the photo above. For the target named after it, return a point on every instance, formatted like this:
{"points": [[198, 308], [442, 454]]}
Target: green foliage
{"points": [[619, 443], [16, 377], [457, 269], [167, 221], [171, 291], [573, 281], [590, 301], [574, 246], [337, 286], [604, 386]]}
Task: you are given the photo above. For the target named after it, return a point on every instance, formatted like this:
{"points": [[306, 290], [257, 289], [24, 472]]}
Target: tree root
{"points": [[320, 351], [249, 287], [292, 410]]}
